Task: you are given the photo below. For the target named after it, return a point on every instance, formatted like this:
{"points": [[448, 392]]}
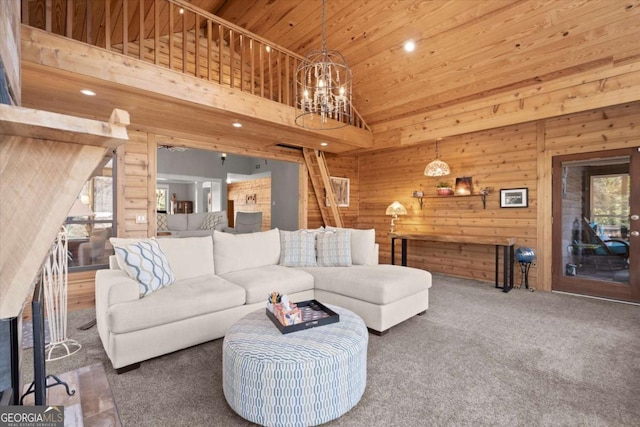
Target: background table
{"points": [[507, 244]]}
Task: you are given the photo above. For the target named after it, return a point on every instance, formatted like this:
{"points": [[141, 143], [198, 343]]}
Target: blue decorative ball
{"points": [[524, 254]]}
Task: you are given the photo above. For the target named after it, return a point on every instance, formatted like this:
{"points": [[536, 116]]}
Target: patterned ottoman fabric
{"points": [[303, 378]]}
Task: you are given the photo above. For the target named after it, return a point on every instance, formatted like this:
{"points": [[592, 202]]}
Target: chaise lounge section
{"points": [[217, 281]]}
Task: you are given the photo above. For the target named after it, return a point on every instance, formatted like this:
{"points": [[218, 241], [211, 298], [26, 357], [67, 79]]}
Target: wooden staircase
{"points": [[319, 174]]}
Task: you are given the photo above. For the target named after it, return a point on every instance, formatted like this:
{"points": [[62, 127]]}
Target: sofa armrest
{"points": [[113, 287]]}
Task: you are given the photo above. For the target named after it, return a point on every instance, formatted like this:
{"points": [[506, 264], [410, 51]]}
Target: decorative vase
{"points": [[445, 191]]}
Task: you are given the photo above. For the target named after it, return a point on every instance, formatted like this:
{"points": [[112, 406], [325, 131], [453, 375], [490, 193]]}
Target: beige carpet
{"points": [[478, 357]]}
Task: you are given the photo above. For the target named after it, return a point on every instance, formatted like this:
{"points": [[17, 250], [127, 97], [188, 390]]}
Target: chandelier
{"points": [[323, 89], [437, 167]]}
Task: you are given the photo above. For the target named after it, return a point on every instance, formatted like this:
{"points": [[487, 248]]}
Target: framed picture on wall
{"points": [[341, 190], [514, 197]]}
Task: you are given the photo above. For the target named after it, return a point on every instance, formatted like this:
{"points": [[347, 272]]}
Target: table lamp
{"points": [[395, 209]]}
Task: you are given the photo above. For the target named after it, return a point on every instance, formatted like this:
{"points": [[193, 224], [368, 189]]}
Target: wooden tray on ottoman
{"points": [[314, 314]]}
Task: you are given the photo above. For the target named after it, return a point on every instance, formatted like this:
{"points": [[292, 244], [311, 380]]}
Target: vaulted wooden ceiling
{"points": [[467, 51]]}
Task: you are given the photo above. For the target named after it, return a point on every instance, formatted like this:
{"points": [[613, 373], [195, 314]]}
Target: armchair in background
{"points": [[610, 254], [246, 222]]}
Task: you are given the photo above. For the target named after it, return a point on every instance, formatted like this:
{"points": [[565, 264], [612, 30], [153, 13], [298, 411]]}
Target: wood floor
{"points": [[92, 405]]}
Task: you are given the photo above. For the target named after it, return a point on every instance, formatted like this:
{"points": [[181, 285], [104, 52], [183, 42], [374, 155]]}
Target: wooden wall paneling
{"points": [[261, 188], [152, 174], [394, 175], [134, 198]]}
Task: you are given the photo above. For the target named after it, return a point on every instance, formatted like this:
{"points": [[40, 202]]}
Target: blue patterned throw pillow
{"points": [[334, 248], [297, 248], [146, 263]]}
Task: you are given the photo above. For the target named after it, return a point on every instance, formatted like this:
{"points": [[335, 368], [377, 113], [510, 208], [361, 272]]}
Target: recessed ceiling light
{"points": [[324, 144], [267, 48], [181, 11], [88, 92], [237, 124], [409, 46]]}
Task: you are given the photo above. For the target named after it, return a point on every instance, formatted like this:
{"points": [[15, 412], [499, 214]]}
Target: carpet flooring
{"points": [[477, 357]]}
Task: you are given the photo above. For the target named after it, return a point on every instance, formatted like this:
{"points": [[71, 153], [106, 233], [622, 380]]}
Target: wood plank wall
{"points": [[261, 188], [501, 158]]}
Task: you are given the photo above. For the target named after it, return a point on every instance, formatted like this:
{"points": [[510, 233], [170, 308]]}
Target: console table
{"points": [[506, 243]]}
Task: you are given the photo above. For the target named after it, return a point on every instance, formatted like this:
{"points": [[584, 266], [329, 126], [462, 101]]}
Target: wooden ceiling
{"points": [[466, 51]]}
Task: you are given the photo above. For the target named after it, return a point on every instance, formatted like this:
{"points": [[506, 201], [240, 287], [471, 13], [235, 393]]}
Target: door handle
{"points": [[635, 233]]}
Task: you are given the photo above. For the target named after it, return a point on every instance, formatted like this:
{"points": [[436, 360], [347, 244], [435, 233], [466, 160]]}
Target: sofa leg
{"points": [[128, 368], [422, 312], [378, 333]]}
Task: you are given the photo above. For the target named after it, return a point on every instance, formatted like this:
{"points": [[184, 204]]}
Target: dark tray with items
{"points": [[314, 314]]}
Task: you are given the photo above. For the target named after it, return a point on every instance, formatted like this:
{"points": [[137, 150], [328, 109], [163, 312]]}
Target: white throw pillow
{"points": [[334, 248], [233, 252], [146, 263], [297, 248], [162, 222], [363, 246]]}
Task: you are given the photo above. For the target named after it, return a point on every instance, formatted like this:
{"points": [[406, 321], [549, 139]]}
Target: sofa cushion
{"points": [[195, 220], [189, 256], [333, 248], [362, 246], [177, 222], [146, 263], [233, 252], [297, 248], [184, 299], [260, 282], [377, 284]]}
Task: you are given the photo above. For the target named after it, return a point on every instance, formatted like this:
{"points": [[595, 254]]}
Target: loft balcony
{"points": [[225, 72]]}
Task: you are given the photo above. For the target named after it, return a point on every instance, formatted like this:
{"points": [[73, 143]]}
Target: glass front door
{"points": [[596, 208]]}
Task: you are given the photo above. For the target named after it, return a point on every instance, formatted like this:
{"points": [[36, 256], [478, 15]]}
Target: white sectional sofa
{"points": [[216, 281]]}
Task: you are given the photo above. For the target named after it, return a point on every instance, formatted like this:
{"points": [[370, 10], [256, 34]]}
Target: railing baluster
{"points": [[209, 49], [220, 54], [241, 41], [279, 81], [89, 23], [287, 77], [156, 32], [171, 30], [141, 29], [184, 42], [197, 44], [107, 25], [47, 16], [25, 12], [270, 73], [69, 29], [252, 52], [261, 59], [125, 27], [232, 62]]}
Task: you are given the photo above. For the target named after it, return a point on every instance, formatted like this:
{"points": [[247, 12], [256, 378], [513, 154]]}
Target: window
{"points": [[92, 221], [610, 203]]}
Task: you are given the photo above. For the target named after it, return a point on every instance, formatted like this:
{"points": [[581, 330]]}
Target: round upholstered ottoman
{"points": [[303, 378]]}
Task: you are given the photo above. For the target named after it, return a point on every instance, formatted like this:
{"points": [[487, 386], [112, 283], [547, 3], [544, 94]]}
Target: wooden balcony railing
{"points": [[179, 36]]}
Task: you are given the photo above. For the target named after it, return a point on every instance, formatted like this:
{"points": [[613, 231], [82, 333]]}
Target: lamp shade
{"points": [[437, 168], [396, 208]]}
